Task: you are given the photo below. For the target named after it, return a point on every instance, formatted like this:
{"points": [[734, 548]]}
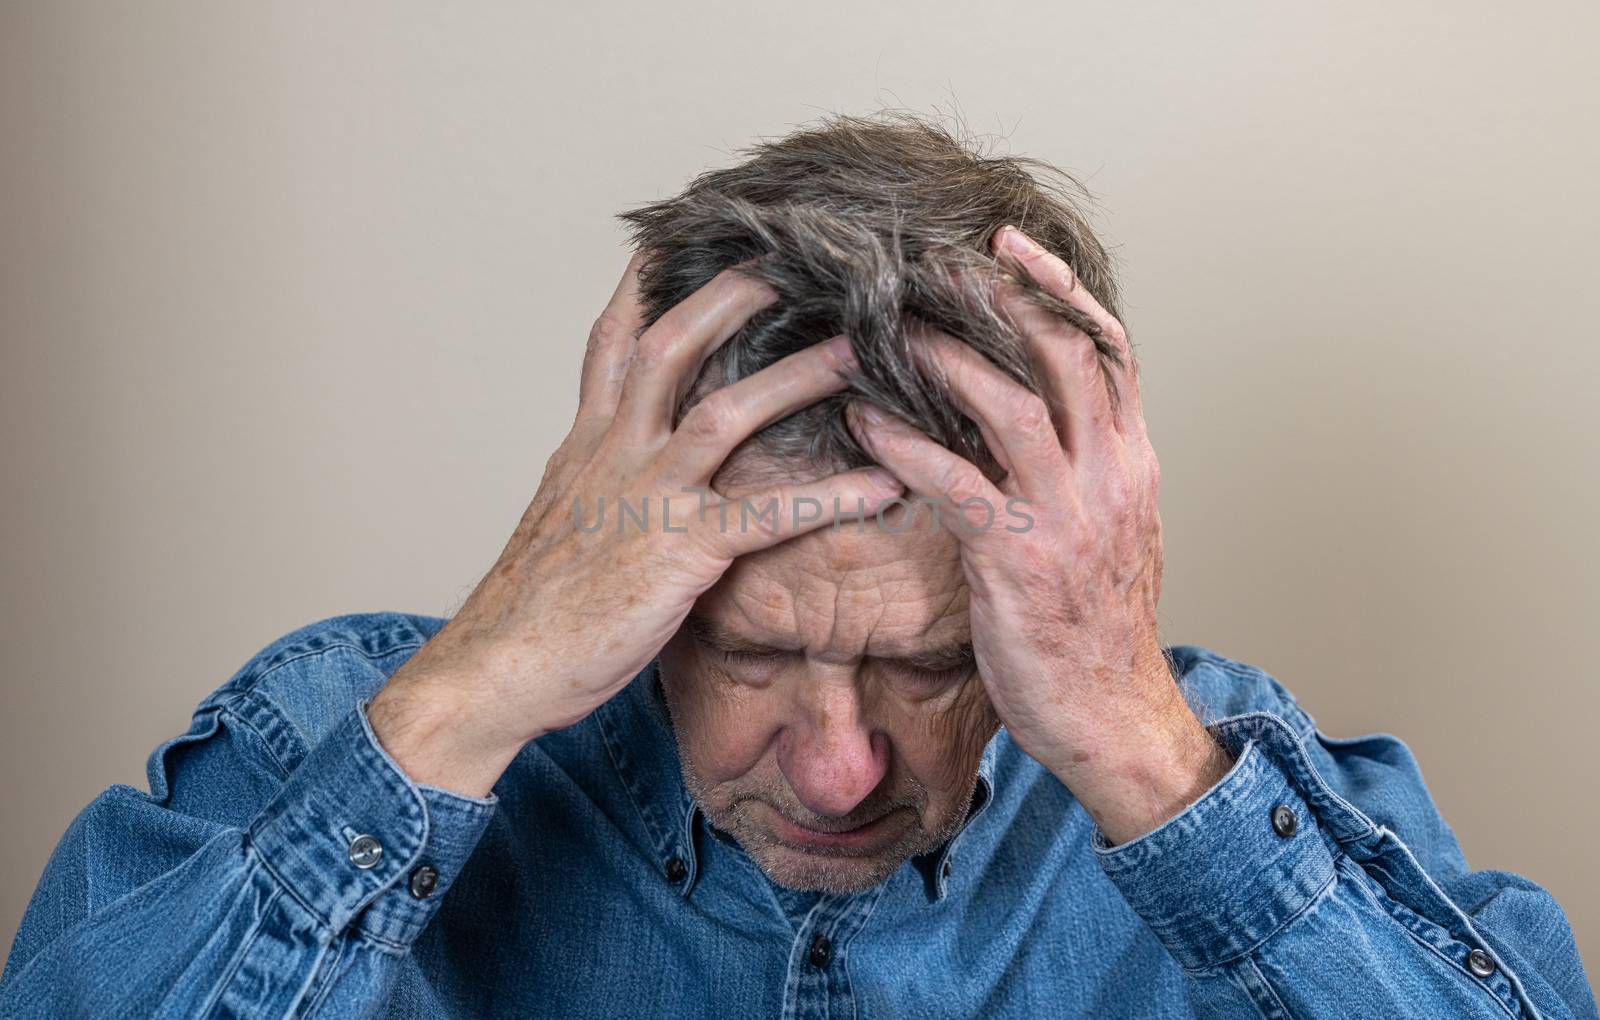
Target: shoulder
{"points": [[1218, 687], [308, 679]]}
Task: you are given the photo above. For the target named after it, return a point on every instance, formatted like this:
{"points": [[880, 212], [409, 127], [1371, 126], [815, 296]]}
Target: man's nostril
{"points": [[831, 769]]}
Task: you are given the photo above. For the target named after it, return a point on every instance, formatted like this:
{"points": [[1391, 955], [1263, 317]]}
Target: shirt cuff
{"points": [[350, 834], [1234, 867]]}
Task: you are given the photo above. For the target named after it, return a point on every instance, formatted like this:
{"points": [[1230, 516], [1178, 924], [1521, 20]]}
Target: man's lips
{"points": [[858, 839]]}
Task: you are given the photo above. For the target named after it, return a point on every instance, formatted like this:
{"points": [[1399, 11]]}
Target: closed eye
{"points": [[752, 665], [739, 655], [926, 679]]}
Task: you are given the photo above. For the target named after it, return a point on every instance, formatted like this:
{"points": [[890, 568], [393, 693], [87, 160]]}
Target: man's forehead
{"points": [[857, 589]]}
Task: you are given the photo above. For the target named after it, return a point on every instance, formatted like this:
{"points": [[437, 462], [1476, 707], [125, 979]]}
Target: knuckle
{"points": [[710, 418], [605, 331], [1085, 356], [1061, 274], [556, 466], [1127, 515], [1032, 415], [1121, 493], [654, 348], [959, 482], [1112, 330]]}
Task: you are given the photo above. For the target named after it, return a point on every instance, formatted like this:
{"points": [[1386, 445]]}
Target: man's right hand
{"points": [[567, 616]]}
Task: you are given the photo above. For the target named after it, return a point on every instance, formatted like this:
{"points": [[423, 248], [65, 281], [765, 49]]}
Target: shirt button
{"points": [[1480, 963], [424, 881], [821, 950], [676, 870], [365, 852], [1284, 821]]}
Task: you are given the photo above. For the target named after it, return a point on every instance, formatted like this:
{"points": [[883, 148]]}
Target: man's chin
{"points": [[809, 870]]}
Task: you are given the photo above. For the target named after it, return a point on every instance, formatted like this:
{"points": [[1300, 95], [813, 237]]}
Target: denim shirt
{"points": [[283, 865]]}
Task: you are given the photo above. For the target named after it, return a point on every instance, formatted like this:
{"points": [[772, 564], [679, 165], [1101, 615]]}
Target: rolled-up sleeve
{"points": [[1280, 897]]}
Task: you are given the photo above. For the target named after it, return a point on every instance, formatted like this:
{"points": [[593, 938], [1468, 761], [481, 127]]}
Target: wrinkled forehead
{"points": [[884, 587]]}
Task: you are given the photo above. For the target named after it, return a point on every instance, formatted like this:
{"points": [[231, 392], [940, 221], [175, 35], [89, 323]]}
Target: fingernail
{"points": [[1017, 242], [869, 414]]}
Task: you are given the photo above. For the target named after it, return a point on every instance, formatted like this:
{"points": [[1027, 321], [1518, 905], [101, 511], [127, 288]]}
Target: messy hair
{"points": [[863, 221]]}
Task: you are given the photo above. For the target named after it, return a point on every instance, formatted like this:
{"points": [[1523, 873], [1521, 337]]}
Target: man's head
{"points": [[827, 709]]}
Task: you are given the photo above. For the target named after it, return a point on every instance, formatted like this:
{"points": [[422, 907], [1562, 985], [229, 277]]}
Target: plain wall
{"points": [[294, 297]]}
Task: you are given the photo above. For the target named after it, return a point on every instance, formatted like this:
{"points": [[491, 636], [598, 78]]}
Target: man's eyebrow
{"points": [[708, 633], [956, 655]]}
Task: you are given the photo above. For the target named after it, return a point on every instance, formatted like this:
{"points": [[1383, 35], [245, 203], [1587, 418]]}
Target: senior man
{"points": [[820, 678]]}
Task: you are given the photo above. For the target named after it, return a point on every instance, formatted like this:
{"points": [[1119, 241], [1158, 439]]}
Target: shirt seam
{"points": [[1282, 1011], [220, 989], [849, 973], [617, 754], [282, 883], [254, 689], [1451, 964], [228, 712], [1288, 922], [324, 977]]}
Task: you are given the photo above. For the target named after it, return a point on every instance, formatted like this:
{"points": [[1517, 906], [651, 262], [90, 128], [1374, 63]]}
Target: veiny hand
{"points": [[1063, 614], [570, 612]]}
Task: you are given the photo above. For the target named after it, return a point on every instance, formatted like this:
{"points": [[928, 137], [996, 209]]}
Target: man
{"points": [[820, 678]]}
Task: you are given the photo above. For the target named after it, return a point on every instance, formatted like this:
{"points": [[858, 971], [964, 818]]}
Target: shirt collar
{"points": [[638, 736]]}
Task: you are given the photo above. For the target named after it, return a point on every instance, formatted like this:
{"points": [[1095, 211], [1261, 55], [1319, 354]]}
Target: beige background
{"points": [[294, 296]]}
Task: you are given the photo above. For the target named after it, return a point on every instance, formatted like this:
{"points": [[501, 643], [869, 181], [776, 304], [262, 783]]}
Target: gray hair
{"points": [[862, 220]]}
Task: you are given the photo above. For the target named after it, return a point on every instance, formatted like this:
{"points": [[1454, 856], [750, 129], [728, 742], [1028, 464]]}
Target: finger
{"points": [[757, 521], [1011, 416], [669, 354], [1056, 277], [1070, 368], [610, 348], [723, 419], [926, 467]]}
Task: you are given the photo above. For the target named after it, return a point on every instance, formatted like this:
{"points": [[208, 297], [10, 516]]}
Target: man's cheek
{"points": [[729, 734], [710, 709], [943, 743]]}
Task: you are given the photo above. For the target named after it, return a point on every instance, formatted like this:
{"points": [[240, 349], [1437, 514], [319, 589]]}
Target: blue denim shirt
{"points": [[1315, 880]]}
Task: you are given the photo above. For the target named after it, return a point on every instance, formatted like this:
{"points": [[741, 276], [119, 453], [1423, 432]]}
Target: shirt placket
{"points": [[818, 985]]}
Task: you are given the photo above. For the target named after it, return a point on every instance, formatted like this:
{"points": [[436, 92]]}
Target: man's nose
{"points": [[830, 754]]}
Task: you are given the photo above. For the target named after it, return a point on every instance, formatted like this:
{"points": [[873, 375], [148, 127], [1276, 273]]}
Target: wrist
{"points": [[1146, 760], [441, 737], [1169, 770]]}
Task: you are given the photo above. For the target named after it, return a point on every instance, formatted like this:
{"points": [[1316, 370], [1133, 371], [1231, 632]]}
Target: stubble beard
{"points": [[737, 812]]}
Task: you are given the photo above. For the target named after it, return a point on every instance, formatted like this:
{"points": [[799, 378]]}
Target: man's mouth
{"points": [[860, 839]]}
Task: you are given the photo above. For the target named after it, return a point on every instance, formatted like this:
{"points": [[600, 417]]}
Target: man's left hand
{"points": [[1063, 611]]}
